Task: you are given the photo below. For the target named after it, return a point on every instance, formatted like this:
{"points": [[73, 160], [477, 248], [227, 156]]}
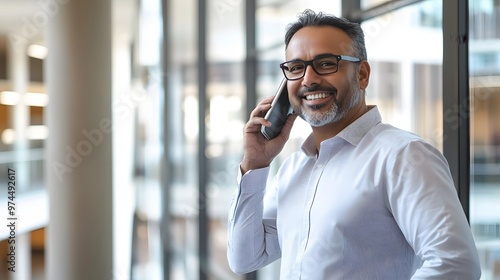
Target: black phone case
{"points": [[279, 112]]}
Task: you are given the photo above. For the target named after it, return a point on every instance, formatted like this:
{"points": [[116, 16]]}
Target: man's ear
{"points": [[363, 74]]}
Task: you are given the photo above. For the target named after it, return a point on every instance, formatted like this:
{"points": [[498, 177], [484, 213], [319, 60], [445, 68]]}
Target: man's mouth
{"points": [[315, 96]]}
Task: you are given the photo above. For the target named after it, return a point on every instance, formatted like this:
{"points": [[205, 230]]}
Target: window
{"points": [[484, 57], [405, 79]]}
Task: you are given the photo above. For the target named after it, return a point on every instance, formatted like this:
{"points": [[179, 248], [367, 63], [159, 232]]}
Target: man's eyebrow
{"points": [[321, 55]]}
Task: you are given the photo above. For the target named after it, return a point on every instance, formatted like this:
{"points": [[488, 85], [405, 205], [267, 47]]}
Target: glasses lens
{"points": [[294, 69], [326, 65]]}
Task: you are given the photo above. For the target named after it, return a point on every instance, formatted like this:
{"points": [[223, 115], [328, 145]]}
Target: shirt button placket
{"points": [[306, 219]]}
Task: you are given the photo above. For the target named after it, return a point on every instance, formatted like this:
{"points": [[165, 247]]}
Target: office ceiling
{"points": [[17, 17], [13, 14]]}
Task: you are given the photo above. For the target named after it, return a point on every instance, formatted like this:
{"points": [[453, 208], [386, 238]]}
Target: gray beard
{"points": [[336, 112]]}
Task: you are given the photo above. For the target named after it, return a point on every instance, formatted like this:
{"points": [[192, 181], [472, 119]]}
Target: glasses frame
{"points": [[310, 63]]}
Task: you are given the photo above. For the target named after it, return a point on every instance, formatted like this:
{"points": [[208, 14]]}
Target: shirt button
{"points": [[319, 165]]}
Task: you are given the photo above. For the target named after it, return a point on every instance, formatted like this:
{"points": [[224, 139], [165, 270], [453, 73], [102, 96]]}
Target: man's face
{"points": [[324, 99]]}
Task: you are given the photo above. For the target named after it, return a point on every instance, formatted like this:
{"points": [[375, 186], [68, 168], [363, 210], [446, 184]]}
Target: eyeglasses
{"points": [[322, 65]]}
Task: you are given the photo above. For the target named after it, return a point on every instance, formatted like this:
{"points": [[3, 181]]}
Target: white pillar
{"points": [[79, 150], [18, 69], [123, 163]]}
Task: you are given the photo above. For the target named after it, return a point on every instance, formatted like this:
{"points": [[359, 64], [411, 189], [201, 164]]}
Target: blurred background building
{"points": [[122, 121]]}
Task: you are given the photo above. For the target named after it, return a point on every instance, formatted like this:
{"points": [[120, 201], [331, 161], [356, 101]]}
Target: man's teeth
{"points": [[316, 96]]}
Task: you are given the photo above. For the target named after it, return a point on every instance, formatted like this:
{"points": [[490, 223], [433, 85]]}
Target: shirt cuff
{"points": [[254, 180]]}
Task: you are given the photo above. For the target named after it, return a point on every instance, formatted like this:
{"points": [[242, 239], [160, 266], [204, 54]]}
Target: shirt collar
{"points": [[353, 133]]}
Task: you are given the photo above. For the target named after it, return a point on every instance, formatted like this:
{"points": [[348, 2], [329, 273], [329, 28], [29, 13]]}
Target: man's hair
{"points": [[353, 30]]}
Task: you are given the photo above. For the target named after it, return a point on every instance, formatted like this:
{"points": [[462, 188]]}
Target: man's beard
{"points": [[336, 112]]}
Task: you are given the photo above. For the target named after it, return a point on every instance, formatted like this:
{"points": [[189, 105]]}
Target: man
{"points": [[362, 199]]}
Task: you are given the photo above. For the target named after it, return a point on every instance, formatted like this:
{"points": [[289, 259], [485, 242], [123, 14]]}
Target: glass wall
{"points": [[224, 120], [181, 107], [484, 64], [367, 4], [145, 120], [405, 80]]}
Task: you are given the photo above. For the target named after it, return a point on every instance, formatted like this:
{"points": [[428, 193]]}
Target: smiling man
{"points": [[361, 199]]}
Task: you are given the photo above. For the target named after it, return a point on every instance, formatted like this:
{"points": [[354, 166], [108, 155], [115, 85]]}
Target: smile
{"points": [[317, 96]]}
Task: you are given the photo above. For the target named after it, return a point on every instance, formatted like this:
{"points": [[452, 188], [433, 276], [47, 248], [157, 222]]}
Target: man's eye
{"points": [[296, 68], [327, 64]]}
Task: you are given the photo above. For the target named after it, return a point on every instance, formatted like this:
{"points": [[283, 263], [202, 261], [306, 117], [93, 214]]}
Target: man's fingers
{"points": [[255, 123], [267, 100], [257, 120], [260, 110], [262, 107]]}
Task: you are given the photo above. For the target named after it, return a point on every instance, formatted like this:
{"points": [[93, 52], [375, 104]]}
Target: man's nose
{"points": [[310, 76]]}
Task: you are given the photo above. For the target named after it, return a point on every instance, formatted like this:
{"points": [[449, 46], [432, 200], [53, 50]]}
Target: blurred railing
{"points": [[34, 158], [30, 198]]}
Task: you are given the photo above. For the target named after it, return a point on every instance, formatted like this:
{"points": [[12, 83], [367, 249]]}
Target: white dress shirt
{"points": [[377, 202]]}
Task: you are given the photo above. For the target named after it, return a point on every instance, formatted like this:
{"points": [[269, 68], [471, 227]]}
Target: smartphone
{"points": [[278, 113]]}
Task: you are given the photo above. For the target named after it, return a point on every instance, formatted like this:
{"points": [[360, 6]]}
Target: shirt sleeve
{"points": [[425, 204], [252, 236]]}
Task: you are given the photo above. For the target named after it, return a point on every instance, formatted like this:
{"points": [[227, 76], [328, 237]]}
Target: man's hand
{"points": [[258, 151]]}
